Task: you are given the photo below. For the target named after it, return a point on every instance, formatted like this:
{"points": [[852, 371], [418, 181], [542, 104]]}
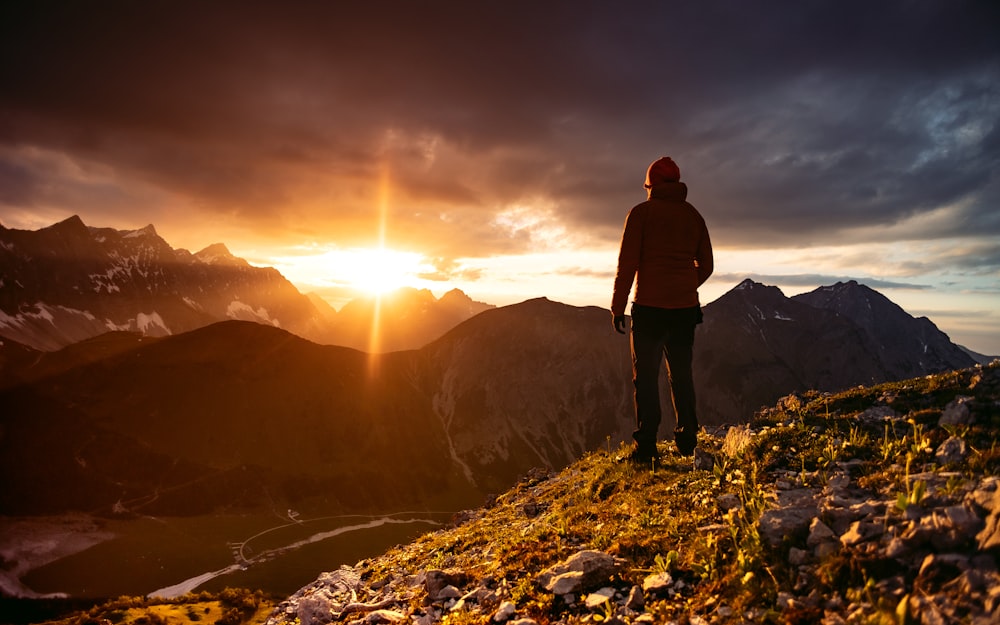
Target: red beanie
{"points": [[662, 170]]}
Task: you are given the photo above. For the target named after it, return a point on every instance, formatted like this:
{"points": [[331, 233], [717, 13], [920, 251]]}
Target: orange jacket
{"points": [[666, 243]]}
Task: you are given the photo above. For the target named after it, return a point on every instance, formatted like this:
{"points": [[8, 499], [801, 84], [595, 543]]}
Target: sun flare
{"points": [[378, 270]]}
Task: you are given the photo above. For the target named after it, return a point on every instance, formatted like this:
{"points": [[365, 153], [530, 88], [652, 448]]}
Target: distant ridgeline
{"points": [[231, 414], [69, 282]]}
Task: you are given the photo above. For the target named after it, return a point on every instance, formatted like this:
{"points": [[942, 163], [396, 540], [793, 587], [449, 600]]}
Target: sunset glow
{"points": [[377, 271], [308, 146]]}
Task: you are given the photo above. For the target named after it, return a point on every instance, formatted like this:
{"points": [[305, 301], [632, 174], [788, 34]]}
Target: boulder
{"points": [[583, 571]]}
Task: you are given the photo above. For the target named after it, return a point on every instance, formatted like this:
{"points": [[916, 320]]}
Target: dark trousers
{"points": [[660, 334]]}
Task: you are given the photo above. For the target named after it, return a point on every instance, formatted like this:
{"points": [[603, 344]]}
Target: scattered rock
{"points": [[861, 531], [657, 584], [728, 502], [952, 451], [583, 571], [957, 412], [636, 599], [443, 585], [797, 509], [819, 533], [599, 598], [989, 537], [703, 461], [798, 557], [504, 612], [877, 414]]}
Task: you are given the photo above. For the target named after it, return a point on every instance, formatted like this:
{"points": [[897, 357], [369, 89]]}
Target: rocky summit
{"points": [[875, 505]]}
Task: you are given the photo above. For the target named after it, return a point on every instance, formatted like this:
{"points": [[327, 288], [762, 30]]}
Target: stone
{"points": [[566, 583], [819, 532], [797, 557], [703, 461], [597, 599], [776, 524], [939, 569], [877, 414], [657, 584], [861, 531], [989, 536], [957, 412], [583, 571], [897, 548], [385, 616], [636, 599], [435, 581], [315, 609], [827, 549], [952, 451], [504, 612], [728, 502]]}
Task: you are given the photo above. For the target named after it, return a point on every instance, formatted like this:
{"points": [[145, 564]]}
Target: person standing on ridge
{"points": [[666, 249]]}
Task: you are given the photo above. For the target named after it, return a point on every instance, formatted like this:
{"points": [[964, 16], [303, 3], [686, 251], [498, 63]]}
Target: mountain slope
{"points": [[805, 516], [70, 282], [533, 384], [907, 346], [757, 345]]}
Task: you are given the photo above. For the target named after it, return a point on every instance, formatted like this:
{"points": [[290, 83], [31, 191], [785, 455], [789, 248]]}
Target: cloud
{"points": [[798, 125]]}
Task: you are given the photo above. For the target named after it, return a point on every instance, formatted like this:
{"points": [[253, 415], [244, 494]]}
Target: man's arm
{"points": [[705, 258], [628, 264]]}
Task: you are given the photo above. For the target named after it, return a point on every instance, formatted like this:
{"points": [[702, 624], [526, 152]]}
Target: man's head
{"points": [[662, 170]]}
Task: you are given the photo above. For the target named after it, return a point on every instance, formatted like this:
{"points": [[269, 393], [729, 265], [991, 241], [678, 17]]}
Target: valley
{"points": [[170, 556]]}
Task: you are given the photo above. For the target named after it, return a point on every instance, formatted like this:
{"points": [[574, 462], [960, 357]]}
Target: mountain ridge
{"points": [[69, 281], [531, 384]]}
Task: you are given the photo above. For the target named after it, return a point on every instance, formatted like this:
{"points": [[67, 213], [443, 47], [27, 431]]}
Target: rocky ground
{"points": [[876, 505]]}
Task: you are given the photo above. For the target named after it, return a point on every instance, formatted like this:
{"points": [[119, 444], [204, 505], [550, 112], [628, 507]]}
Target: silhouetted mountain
{"points": [[757, 345], [407, 318], [907, 346], [236, 414], [70, 282]]}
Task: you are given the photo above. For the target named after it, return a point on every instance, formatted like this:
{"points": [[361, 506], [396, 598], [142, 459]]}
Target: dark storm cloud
{"points": [[795, 123]]}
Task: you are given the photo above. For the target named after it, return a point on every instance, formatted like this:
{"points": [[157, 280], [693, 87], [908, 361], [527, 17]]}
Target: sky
{"points": [[496, 147]]}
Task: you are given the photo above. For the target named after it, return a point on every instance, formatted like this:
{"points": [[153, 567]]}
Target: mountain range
{"points": [[242, 413], [69, 282]]}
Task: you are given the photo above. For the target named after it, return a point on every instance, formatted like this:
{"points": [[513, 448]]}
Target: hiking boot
{"points": [[640, 457], [686, 442]]}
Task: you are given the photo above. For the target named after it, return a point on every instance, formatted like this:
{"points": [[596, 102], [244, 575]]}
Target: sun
{"points": [[379, 270]]}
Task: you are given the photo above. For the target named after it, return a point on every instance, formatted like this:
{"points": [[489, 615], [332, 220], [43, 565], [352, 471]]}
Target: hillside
{"points": [[865, 505], [877, 505], [870, 504]]}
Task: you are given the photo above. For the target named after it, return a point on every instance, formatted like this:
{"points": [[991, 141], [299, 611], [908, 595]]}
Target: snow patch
{"points": [[141, 232], [44, 312], [145, 322], [244, 312]]}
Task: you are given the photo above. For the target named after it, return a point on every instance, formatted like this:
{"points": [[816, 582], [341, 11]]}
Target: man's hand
{"points": [[619, 323]]}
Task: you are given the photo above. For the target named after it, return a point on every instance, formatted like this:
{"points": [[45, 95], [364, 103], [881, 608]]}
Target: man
{"points": [[666, 249]]}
